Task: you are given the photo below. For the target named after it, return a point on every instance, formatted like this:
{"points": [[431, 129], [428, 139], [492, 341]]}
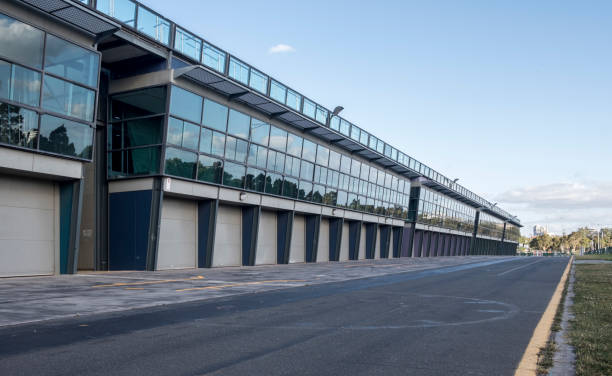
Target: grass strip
{"points": [[591, 330]]}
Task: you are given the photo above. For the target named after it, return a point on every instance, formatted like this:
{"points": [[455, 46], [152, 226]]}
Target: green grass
{"points": [[591, 330], [594, 257]]}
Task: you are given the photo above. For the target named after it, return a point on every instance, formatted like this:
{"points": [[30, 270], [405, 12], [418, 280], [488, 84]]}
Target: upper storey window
{"points": [[213, 58], [239, 71], [188, 44], [153, 25], [122, 10], [21, 42], [70, 61]]}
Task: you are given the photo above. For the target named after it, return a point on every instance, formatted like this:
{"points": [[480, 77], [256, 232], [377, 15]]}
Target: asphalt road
{"points": [[466, 320]]}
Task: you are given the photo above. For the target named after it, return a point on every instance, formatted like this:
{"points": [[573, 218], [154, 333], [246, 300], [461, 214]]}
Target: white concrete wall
{"points": [[377, 244], [362, 244], [29, 226], [323, 252], [228, 237], [344, 245], [178, 236], [297, 251], [266, 239]]}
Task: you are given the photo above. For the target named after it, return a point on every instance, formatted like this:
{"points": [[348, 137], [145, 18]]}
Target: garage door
{"points": [[28, 217], [178, 234], [323, 251], [344, 245], [227, 251], [297, 252], [266, 239]]}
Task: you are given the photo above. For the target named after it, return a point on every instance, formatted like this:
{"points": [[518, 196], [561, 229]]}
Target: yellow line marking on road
{"points": [[120, 284], [529, 363], [134, 288], [218, 287]]}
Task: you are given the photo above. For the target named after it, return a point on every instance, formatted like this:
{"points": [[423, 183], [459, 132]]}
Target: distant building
{"points": [[539, 230]]}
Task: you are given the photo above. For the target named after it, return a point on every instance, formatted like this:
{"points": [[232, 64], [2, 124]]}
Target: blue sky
{"points": [[512, 97]]}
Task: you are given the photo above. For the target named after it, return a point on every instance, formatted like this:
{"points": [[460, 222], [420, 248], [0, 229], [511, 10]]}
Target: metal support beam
{"points": [[207, 225], [155, 223]]}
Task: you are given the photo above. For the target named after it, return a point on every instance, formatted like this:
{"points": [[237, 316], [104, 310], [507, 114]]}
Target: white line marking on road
{"points": [[520, 267]]}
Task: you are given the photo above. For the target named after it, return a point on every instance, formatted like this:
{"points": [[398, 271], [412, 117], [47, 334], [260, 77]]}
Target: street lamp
{"points": [[335, 112]]}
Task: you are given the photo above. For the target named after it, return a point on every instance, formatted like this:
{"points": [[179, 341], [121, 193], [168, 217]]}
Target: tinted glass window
{"points": [[239, 71], [345, 164], [278, 138], [341, 200], [233, 175], [175, 131], [20, 42], [290, 187], [186, 104], [363, 138], [218, 143], [180, 163], [274, 183], [355, 167], [255, 179], [235, 149], [294, 144], [5, 79], [334, 160], [305, 190], [309, 150], [18, 126], [238, 124], [65, 137], [142, 132], [68, 99], [318, 191], [258, 155], [259, 81], [153, 25], [292, 166], [260, 132], [215, 115], [25, 88], [309, 108], [210, 169], [70, 61], [322, 155], [334, 123], [355, 133], [345, 127], [139, 103], [278, 91], [307, 170], [276, 161], [191, 135], [321, 115]]}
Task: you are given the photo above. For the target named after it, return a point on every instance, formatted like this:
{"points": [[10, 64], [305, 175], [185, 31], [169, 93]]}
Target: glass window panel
{"points": [[345, 127], [18, 126], [278, 138], [294, 144], [276, 161], [322, 155], [309, 150], [365, 171], [309, 108], [373, 142], [210, 169], [206, 138], [258, 155], [25, 88], [306, 170], [180, 163], [290, 187], [153, 25], [218, 144], [318, 191], [292, 166], [65, 137], [239, 71], [333, 178], [233, 175], [278, 92], [355, 167], [213, 58], [122, 10], [321, 115], [320, 174], [215, 115], [305, 190], [187, 43], [341, 199], [137, 103], [236, 149], [363, 138], [238, 124], [70, 61], [142, 132], [5, 79], [293, 99], [274, 183], [380, 146], [140, 161], [387, 150], [355, 133], [255, 179], [345, 164], [68, 99], [21, 42], [260, 131], [191, 135], [334, 123], [330, 196], [334, 160], [186, 104], [258, 81]]}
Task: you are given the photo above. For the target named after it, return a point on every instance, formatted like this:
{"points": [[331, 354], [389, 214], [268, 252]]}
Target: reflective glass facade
{"points": [[68, 81], [490, 226], [438, 210]]}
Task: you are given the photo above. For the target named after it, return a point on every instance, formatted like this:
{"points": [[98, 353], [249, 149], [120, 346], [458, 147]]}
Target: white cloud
{"points": [[281, 48]]}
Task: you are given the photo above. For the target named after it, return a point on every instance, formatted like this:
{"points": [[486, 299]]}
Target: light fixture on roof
{"points": [[337, 110], [494, 205], [455, 181]]}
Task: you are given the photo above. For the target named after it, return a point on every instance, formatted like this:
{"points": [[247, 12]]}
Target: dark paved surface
{"points": [[465, 320]]}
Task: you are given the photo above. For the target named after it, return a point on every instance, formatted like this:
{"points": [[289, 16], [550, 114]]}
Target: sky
{"points": [[512, 97]]}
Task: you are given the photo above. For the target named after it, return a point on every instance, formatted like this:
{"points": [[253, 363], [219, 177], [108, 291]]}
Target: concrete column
{"points": [[370, 240], [385, 240], [398, 240], [418, 244], [354, 239], [408, 240], [313, 225]]}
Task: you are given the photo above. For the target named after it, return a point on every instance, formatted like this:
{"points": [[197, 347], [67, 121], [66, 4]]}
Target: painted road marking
{"points": [[218, 287], [520, 267]]}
